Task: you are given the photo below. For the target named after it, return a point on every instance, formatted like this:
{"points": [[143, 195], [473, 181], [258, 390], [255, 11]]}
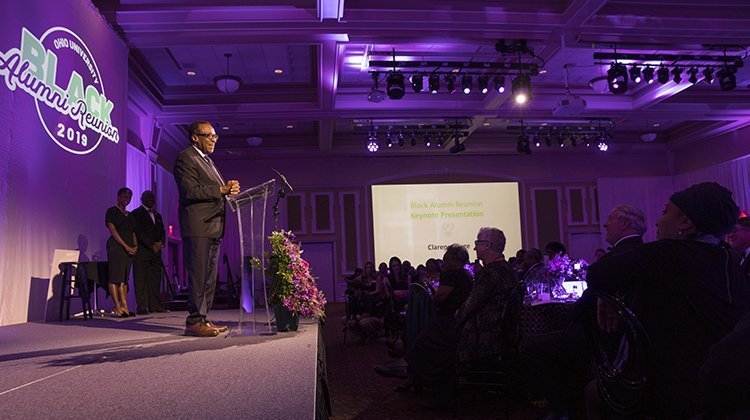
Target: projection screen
{"points": [[418, 221]]}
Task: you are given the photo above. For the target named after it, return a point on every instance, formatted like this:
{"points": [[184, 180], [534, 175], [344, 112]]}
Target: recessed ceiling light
{"points": [[543, 124], [455, 70], [542, 71], [225, 128], [278, 71], [290, 126], [191, 73], [486, 123], [656, 124], [359, 124]]}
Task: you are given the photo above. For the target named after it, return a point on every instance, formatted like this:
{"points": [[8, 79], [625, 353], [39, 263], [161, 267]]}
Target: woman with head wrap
{"points": [[686, 290]]}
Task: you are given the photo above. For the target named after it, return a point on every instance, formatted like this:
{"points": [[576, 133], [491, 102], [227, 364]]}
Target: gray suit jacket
{"points": [[202, 206]]}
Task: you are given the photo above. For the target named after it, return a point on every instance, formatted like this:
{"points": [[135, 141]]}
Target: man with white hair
{"points": [[624, 228]]}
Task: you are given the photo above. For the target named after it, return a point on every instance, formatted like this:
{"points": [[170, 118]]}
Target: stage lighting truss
{"points": [[671, 67], [473, 76], [397, 133], [563, 134]]}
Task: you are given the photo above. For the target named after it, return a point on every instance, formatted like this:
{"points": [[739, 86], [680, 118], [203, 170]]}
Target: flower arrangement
{"points": [[564, 268], [292, 284]]}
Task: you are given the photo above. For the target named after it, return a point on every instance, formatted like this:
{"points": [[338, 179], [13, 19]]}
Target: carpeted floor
{"points": [[357, 392]]}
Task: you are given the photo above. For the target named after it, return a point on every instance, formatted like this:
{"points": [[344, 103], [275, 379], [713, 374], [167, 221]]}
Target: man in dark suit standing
{"points": [[203, 193], [147, 264]]}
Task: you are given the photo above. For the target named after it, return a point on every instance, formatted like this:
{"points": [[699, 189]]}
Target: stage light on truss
{"points": [[395, 85], [677, 73], [417, 82], [466, 82], [434, 83], [499, 84], [537, 140], [726, 77], [427, 140], [708, 75], [482, 82], [372, 143], [617, 79], [635, 74], [523, 147], [693, 72], [521, 89], [388, 140], [648, 74], [450, 82], [413, 138], [401, 139], [662, 75]]}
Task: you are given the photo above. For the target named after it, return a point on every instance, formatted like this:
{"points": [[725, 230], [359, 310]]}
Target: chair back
{"points": [[622, 360], [511, 320], [419, 311]]}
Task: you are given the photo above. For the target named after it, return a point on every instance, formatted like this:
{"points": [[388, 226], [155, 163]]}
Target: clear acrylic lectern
{"points": [[250, 206]]}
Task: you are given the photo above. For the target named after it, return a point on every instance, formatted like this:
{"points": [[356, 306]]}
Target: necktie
{"points": [[216, 171]]}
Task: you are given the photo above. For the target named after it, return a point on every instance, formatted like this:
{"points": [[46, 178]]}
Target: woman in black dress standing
{"points": [[121, 247]]}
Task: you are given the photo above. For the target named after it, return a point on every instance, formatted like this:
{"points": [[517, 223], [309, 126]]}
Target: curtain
{"points": [[137, 174]]}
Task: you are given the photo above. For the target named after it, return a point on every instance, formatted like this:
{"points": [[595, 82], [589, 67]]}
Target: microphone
{"points": [[284, 183]]}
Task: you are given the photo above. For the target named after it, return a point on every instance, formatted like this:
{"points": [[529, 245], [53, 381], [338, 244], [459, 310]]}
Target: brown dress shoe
{"points": [[200, 329], [219, 328]]}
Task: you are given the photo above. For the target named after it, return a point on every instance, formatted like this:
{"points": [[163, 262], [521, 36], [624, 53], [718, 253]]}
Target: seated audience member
{"points": [[455, 283], [432, 271], [554, 248], [398, 279], [520, 254], [533, 268], [686, 290], [556, 363], [474, 335], [369, 277], [366, 316], [513, 263], [739, 239]]}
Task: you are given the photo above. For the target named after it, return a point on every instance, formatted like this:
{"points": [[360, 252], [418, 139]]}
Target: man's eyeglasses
{"points": [[208, 136], [481, 242]]}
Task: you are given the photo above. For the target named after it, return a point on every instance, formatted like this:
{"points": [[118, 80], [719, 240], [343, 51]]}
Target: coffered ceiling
{"points": [[306, 73]]}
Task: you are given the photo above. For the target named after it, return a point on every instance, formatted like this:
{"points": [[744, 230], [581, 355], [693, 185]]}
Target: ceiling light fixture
{"points": [[395, 85], [417, 83], [727, 79], [227, 83], [662, 75], [376, 95], [708, 75], [677, 73], [500, 84], [482, 82], [450, 81], [466, 82], [648, 74], [635, 74], [617, 78], [521, 89], [693, 72], [434, 83]]}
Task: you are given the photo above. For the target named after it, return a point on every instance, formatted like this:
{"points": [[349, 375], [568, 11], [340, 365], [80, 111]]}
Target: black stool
{"points": [[81, 283]]}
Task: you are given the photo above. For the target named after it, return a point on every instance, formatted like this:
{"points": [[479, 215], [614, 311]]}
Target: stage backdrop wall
{"points": [[62, 145]]}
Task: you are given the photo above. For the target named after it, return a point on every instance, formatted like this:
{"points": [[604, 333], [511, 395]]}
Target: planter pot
{"points": [[285, 319]]}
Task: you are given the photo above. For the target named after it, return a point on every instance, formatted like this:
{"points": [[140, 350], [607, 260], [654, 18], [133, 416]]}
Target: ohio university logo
{"points": [[76, 115]]}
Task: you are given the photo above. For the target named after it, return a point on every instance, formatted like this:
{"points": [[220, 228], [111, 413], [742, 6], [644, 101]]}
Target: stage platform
{"points": [[145, 368]]}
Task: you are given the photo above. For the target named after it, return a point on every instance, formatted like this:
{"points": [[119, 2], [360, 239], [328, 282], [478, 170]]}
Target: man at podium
{"points": [[203, 193]]}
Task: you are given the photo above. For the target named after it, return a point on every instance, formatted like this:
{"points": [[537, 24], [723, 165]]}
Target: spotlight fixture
{"points": [[417, 83], [521, 88], [227, 83], [522, 146], [662, 75], [587, 140], [413, 138], [548, 140], [635, 74], [617, 79], [388, 139], [450, 81], [395, 85], [401, 139], [727, 79], [466, 83], [537, 140], [708, 75], [372, 146], [602, 145], [677, 73], [427, 140], [376, 95], [458, 147], [693, 72], [482, 82], [499, 84], [648, 74], [439, 140], [434, 83]]}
